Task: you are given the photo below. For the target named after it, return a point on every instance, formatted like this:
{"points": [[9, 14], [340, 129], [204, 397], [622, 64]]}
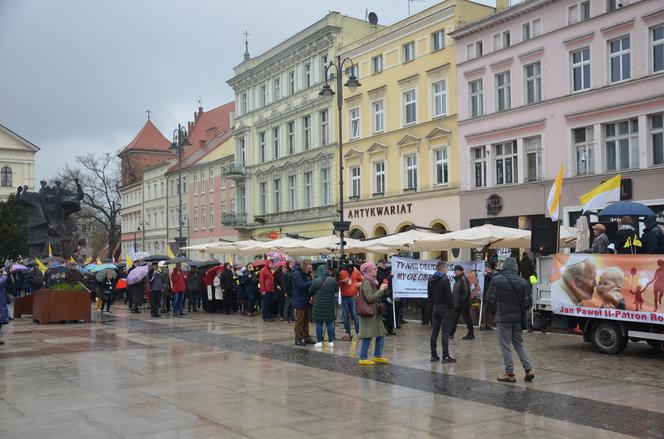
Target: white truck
{"points": [[608, 336]]}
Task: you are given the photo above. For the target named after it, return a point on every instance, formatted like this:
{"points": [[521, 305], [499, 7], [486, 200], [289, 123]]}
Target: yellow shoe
{"points": [[366, 363], [380, 360]]}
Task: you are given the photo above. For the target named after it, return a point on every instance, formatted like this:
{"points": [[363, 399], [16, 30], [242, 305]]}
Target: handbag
{"points": [[524, 312], [362, 307]]}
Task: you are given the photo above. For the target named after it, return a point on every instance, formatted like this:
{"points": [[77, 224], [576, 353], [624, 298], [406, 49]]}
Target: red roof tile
{"points": [[148, 138]]}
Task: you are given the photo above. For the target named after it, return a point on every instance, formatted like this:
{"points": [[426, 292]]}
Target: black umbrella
{"points": [[178, 260], [101, 275], [626, 208], [203, 265], [156, 258]]}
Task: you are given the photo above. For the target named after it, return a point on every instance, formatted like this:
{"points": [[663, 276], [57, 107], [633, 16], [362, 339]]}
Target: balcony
{"points": [[235, 171], [234, 219]]}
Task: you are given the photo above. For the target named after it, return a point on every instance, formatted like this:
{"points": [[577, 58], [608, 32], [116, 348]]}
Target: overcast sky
{"points": [[78, 75]]}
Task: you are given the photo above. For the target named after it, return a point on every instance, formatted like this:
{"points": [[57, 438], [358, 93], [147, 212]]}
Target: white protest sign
{"points": [[410, 276]]}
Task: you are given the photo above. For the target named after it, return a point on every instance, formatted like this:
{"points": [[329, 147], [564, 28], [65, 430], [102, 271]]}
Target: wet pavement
{"points": [[232, 376]]}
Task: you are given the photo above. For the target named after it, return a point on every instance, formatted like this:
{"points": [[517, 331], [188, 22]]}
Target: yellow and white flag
{"points": [[169, 252], [128, 262], [601, 195], [41, 265], [553, 202], [50, 250], [72, 260]]}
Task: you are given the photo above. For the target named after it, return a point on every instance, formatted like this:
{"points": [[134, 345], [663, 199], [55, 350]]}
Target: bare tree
{"points": [[99, 176]]}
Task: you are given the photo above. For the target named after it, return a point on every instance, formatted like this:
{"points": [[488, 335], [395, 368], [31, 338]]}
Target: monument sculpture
{"points": [[49, 216]]}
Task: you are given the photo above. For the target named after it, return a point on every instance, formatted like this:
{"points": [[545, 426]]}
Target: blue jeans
{"points": [[378, 348], [330, 331], [266, 306], [178, 303], [348, 304]]}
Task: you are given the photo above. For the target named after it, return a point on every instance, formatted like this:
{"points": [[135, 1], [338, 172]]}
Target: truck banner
{"points": [[410, 276], [616, 287]]}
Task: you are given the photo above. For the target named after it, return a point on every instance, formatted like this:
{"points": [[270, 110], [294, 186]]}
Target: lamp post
{"points": [[352, 83], [138, 229], [180, 141]]}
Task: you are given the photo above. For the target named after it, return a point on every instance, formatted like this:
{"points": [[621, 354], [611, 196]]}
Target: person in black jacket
{"points": [[194, 284], [653, 237], [489, 272], [439, 295], [510, 296], [107, 291], [156, 287], [627, 239], [228, 286], [287, 288], [251, 289], [461, 299]]}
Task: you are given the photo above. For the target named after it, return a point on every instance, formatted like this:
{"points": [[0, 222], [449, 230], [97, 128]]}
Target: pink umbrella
{"points": [[19, 267], [137, 274]]}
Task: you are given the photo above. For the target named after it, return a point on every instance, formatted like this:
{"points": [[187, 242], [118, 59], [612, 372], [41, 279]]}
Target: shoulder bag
{"points": [[362, 307]]}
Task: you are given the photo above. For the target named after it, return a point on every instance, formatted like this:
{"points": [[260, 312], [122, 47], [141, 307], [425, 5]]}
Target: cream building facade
{"points": [[400, 126], [17, 162], [285, 155]]}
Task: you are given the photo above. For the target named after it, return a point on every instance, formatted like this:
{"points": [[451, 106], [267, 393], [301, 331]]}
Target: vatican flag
{"points": [[553, 202], [604, 193], [169, 252], [72, 260], [41, 265], [128, 261], [50, 250], [88, 260]]}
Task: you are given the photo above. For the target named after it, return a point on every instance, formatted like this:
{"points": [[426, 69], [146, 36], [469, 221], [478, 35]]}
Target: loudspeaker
{"points": [[544, 236]]}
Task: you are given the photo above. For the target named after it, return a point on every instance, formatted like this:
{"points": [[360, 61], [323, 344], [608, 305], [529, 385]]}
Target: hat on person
{"points": [[458, 268], [599, 227], [367, 267]]}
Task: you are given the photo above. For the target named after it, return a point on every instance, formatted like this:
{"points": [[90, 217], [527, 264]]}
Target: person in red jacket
{"points": [[178, 287], [266, 279], [350, 279]]}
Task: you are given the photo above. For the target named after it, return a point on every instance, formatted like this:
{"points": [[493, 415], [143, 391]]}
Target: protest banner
{"points": [[410, 276], [616, 287]]}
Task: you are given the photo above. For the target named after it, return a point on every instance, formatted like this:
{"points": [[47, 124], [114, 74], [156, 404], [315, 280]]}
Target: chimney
{"points": [[502, 4], [190, 126]]}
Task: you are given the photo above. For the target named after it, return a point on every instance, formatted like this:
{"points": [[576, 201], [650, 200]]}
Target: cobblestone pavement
{"points": [[232, 376]]}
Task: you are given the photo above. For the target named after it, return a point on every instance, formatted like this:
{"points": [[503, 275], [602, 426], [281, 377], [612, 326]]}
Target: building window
{"points": [[379, 178], [476, 96], [354, 115], [439, 98], [211, 179], [243, 151], [479, 166], [195, 218], [292, 192], [195, 184], [619, 59], [232, 206], [324, 127], [612, 5], [308, 190], [442, 166], [325, 180], [533, 158], [411, 171], [261, 147], [502, 40], [506, 162], [276, 89], [355, 179], [378, 116], [203, 186], [657, 38], [202, 217], [211, 225], [408, 51], [291, 82], [307, 75], [533, 82], [438, 40], [323, 62], [621, 144], [377, 64], [531, 29], [161, 188], [242, 196], [578, 12], [473, 50], [263, 197], [657, 138], [276, 187], [409, 107], [584, 150], [223, 183], [290, 126], [244, 107], [276, 147], [223, 209], [263, 95], [184, 184], [581, 69], [306, 122], [503, 91]]}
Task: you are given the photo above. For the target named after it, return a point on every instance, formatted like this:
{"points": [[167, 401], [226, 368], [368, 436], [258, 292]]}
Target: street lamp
{"points": [[352, 83], [138, 229], [180, 141]]}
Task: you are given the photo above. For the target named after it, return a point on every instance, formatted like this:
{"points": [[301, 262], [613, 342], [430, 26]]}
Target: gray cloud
{"points": [[78, 75]]}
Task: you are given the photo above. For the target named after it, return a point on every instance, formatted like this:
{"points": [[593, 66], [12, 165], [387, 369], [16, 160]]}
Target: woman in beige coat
{"points": [[372, 327]]}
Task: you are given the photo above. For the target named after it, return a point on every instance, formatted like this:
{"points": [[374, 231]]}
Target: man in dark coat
{"points": [[228, 287], [510, 296], [287, 288], [439, 295], [301, 281], [489, 272], [194, 284], [384, 273], [461, 299], [526, 267], [156, 287], [653, 237]]}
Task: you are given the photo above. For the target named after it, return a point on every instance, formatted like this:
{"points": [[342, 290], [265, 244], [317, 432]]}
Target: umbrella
{"points": [[137, 274], [396, 242], [101, 275], [177, 260], [94, 268], [19, 267], [59, 267], [476, 237], [208, 279], [155, 258], [203, 265], [626, 208]]}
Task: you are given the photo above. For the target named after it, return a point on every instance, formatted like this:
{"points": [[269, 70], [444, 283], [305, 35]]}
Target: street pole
{"points": [[180, 139], [340, 100]]}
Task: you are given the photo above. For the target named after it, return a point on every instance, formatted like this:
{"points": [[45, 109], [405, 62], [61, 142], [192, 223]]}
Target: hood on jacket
{"points": [[438, 275], [510, 264], [650, 222], [321, 272]]}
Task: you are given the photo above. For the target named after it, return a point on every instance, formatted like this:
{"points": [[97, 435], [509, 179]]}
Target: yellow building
{"points": [[400, 142], [285, 164]]}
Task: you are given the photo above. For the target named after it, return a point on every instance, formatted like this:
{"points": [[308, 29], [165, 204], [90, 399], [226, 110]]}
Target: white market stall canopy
{"points": [[300, 247], [396, 242]]}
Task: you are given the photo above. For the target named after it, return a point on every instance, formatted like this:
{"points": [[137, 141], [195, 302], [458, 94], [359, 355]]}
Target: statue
{"points": [[49, 216]]}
